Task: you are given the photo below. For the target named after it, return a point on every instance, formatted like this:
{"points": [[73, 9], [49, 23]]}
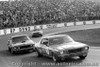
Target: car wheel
{"points": [[11, 51], [32, 50], [38, 53], [56, 58], [83, 56]]}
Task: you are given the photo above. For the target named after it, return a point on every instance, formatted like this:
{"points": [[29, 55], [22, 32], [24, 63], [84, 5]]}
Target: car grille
{"points": [[75, 50], [25, 46]]}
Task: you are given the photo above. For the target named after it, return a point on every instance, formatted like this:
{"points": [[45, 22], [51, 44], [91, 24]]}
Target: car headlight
{"points": [[14, 48], [86, 48], [32, 44]]}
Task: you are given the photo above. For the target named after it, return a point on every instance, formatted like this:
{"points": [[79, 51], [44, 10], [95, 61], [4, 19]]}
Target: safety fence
{"points": [[47, 26]]}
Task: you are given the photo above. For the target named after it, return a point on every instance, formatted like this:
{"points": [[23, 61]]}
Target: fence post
{"points": [[84, 22], [93, 21]]}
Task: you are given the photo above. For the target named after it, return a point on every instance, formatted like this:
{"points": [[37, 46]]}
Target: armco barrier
{"points": [[23, 29], [30, 28], [2, 32], [14, 30], [44, 27], [79, 23], [51, 25], [89, 22], [37, 27], [70, 24], [98, 21], [60, 25], [7, 31]]}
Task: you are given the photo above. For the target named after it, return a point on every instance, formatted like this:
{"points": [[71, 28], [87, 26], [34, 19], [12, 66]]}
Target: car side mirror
{"points": [[45, 43]]}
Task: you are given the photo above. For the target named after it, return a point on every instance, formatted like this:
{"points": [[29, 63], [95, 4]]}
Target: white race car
{"points": [[59, 47], [19, 43], [37, 33]]}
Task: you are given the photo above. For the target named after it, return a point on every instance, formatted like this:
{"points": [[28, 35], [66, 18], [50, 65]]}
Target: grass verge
{"points": [[90, 37]]}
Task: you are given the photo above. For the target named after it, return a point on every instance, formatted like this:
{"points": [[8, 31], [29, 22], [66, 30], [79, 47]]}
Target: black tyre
{"points": [[31, 51], [11, 51], [38, 53], [56, 58], [83, 56]]}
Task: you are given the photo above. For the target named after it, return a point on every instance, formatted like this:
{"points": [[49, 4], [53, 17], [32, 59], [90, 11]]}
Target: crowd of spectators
{"points": [[30, 12]]}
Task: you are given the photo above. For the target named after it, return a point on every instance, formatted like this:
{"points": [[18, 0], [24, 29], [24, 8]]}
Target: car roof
{"points": [[18, 35], [57, 35]]}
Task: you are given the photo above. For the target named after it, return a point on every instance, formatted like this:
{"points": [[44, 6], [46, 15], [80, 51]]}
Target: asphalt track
{"points": [[31, 59]]}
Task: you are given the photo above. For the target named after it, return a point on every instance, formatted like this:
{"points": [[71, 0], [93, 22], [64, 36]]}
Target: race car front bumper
{"points": [[25, 49], [63, 56]]}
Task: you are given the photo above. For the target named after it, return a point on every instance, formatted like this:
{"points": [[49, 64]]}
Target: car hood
{"points": [[24, 43], [72, 45]]}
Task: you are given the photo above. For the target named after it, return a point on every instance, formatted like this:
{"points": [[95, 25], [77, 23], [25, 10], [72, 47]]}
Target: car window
{"points": [[44, 41], [19, 39], [60, 40]]}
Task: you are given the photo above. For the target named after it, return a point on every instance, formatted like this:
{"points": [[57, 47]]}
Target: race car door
{"points": [[45, 49]]}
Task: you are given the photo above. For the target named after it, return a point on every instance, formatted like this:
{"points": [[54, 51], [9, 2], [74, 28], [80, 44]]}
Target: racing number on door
{"points": [[48, 52], [45, 50]]}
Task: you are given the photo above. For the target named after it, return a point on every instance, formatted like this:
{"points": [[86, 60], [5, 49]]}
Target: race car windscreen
{"points": [[19, 39], [60, 40]]}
